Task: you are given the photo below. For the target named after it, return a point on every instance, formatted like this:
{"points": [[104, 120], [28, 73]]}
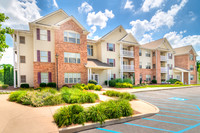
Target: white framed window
{"points": [[44, 77], [22, 39], [140, 64], [191, 77], [71, 78], [191, 67], [72, 57], [140, 52], [148, 65], [191, 57], [43, 35], [43, 56], [148, 78], [90, 50], [110, 47], [23, 78], [148, 53], [170, 55], [111, 62], [71, 37]]}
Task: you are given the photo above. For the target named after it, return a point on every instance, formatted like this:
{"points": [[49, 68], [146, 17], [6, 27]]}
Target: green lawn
{"points": [[164, 85]]}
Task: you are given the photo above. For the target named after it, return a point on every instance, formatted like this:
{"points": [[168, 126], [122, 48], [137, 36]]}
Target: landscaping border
{"points": [[108, 122]]}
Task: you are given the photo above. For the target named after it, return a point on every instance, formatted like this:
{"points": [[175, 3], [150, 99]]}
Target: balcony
{"points": [[163, 69], [128, 68], [127, 53], [163, 58]]}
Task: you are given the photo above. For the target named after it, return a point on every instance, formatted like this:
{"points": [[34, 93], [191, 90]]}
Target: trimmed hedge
{"points": [[51, 84], [178, 83], [123, 85], [172, 81], [98, 88], [112, 83], [43, 85], [92, 82], [153, 81], [24, 86]]}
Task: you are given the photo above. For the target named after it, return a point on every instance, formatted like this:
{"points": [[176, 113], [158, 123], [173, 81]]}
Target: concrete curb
{"points": [[108, 122]]}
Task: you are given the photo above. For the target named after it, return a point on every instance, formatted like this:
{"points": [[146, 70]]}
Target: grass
{"points": [[4, 93], [164, 85]]}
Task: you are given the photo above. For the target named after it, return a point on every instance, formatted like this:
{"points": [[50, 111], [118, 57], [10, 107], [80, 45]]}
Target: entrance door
{"points": [[95, 77]]}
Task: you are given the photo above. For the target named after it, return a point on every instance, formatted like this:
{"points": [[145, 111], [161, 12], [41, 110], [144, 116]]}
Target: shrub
{"points": [[14, 95], [80, 86], [22, 94], [5, 86], [39, 88], [73, 114], [118, 80], [53, 85], [121, 95], [123, 85], [112, 83], [24, 86], [112, 93], [98, 88], [53, 99], [26, 99], [92, 82], [176, 83], [172, 81], [43, 84], [106, 82], [154, 81], [127, 81], [91, 86], [50, 90], [180, 83]]}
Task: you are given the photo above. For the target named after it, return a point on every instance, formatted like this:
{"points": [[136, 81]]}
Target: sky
{"points": [[147, 20]]}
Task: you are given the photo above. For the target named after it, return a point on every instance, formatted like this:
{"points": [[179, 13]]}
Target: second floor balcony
{"points": [[163, 69], [128, 68], [127, 53], [163, 58]]}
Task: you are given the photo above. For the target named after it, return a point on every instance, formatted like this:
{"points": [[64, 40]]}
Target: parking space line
{"points": [[178, 113], [186, 129], [111, 131], [166, 122], [172, 105], [150, 127], [178, 109], [177, 117]]}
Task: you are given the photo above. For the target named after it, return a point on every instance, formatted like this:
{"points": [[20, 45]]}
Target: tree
{"points": [[3, 32], [198, 64]]}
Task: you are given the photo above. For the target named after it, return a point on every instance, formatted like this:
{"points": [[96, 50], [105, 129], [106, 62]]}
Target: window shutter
{"points": [[107, 61], [107, 47], [38, 34], [49, 35], [49, 56], [114, 62], [114, 76], [49, 77], [114, 47], [38, 55], [39, 77]]}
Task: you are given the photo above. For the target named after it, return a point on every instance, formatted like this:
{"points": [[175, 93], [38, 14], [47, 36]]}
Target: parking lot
{"points": [[179, 113]]}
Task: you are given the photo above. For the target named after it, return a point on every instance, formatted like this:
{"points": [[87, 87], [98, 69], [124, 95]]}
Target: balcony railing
{"points": [[163, 69], [163, 58], [128, 68], [127, 53]]}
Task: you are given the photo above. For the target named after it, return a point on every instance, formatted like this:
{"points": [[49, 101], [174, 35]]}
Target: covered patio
{"points": [[182, 74]]}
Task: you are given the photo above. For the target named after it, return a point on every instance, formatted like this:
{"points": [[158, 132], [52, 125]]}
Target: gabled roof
{"points": [[129, 38], [185, 50], [94, 63]]}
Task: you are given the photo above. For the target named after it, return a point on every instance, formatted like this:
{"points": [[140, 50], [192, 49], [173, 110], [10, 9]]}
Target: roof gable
{"points": [[185, 50], [129, 38]]}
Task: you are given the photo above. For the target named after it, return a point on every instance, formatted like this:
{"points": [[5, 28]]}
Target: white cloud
{"points": [[128, 5], [20, 12], [55, 3], [146, 39], [161, 18], [149, 4], [99, 19], [85, 7], [92, 31], [96, 38], [198, 52], [7, 56], [178, 40], [192, 16]]}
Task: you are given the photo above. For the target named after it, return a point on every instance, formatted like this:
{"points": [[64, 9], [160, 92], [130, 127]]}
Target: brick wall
{"points": [[136, 65], [145, 72], [182, 61], [194, 72], [61, 47]]}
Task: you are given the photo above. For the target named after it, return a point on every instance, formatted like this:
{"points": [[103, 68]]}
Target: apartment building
{"points": [[56, 48]]}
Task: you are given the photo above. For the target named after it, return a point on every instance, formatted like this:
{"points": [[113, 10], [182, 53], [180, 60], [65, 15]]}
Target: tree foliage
{"points": [[3, 32], [6, 74]]}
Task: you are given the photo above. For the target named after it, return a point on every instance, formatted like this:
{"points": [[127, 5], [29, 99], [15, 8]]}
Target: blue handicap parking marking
{"points": [[178, 99]]}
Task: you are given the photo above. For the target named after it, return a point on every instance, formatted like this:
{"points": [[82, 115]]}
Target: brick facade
{"points": [[136, 62]]}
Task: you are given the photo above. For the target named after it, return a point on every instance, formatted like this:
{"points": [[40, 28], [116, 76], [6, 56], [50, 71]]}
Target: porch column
{"points": [[14, 67], [183, 77], [109, 76], [88, 74], [121, 62], [188, 78]]}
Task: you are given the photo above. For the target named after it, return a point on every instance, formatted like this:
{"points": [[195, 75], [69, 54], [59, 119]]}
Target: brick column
{"points": [[136, 65], [158, 67]]}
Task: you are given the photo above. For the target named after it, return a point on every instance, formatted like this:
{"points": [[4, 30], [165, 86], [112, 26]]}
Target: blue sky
{"points": [[147, 20]]}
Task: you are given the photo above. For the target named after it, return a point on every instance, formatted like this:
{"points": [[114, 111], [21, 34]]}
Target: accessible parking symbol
{"points": [[178, 99]]}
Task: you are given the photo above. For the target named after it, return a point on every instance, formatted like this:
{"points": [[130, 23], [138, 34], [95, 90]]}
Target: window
{"points": [[22, 59], [191, 57], [140, 64], [112, 76], [170, 66], [140, 52], [191, 67], [23, 78], [154, 77], [72, 57], [71, 78], [191, 77], [22, 39], [43, 35], [43, 56], [154, 66], [111, 62], [154, 53], [148, 78], [170, 55], [90, 50], [148, 53], [170, 76], [178, 77], [44, 78], [111, 47], [140, 78], [148, 65], [71, 37]]}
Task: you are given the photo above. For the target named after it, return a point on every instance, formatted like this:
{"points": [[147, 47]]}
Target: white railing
{"points": [[127, 53], [128, 68], [163, 69], [163, 58]]}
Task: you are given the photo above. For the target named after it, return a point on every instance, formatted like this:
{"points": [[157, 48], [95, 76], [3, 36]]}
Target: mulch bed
{"points": [[10, 88]]}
